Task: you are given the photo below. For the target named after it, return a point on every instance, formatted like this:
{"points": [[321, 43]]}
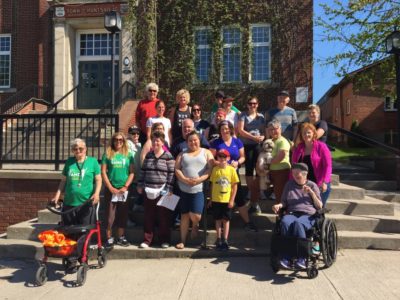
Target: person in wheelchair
{"points": [[300, 199]]}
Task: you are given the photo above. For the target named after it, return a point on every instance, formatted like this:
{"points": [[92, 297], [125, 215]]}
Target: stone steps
{"points": [[383, 185]]}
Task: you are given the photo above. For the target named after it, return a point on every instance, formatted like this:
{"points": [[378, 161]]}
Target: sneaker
{"points": [[285, 263], [109, 243], [138, 208], [250, 227], [301, 263], [164, 245], [224, 246], [255, 210], [218, 245], [315, 249], [143, 246], [122, 241]]}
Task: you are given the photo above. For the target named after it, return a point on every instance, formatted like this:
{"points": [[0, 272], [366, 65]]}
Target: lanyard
{"points": [[80, 171]]}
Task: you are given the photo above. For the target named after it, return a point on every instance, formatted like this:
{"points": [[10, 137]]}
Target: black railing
{"points": [[364, 139], [55, 104], [46, 138], [126, 91], [17, 101]]}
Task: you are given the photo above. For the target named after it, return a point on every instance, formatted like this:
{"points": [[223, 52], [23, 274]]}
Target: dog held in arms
{"points": [[263, 163]]}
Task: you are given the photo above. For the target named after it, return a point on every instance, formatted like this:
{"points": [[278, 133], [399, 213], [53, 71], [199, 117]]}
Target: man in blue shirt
{"points": [[285, 115]]}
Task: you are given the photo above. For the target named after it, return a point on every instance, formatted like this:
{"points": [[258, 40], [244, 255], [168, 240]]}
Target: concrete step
{"points": [[334, 178], [382, 185], [22, 249], [30, 229], [361, 176], [393, 197], [341, 168]]}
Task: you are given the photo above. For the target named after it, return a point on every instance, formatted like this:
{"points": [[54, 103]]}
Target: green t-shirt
{"points": [[281, 144], [80, 180], [214, 108], [118, 168]]}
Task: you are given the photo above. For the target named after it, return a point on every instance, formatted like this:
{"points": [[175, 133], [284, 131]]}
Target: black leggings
{"points": [[251, 154]]}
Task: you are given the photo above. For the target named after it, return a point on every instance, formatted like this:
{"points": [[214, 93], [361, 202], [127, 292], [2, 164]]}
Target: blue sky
{"points": [[324, 76]]}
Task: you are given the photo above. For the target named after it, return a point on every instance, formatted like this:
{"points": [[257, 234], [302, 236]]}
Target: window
{"points": [[98, 44], [348, 107], [260, 52], [202, 38], [390, 104], [231, 38], [5, 61]]}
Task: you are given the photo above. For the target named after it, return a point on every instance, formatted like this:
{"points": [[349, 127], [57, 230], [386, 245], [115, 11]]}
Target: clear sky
{"points": [[324, 76]]}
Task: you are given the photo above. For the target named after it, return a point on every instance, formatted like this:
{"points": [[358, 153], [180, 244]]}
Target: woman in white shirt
{"points": [[160, 107]]}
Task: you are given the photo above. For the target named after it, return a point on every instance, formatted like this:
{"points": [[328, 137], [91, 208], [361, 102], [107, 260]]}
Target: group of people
{"points": [[186, 155]]}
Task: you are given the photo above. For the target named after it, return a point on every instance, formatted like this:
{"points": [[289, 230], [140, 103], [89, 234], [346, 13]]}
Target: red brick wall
{"points": [[29, 23], [21, 199]]}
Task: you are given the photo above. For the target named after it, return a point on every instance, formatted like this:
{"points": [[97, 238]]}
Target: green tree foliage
{"points": [[363, 26]]}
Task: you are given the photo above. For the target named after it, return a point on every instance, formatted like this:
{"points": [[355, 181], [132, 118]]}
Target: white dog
{"points": [[263, 163]]}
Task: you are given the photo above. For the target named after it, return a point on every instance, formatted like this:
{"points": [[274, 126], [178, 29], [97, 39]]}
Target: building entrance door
{"points": [[95, 84]]}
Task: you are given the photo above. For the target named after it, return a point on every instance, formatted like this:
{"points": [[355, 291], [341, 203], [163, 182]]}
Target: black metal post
{"points": [[112, 73], [57, 143], [397, 63]]}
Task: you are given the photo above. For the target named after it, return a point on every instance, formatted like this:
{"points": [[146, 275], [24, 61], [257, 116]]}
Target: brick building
{"points": [[344, 103], [25, 46]]}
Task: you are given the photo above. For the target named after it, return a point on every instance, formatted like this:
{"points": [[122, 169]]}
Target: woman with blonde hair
{"points": [[117, 172], [316, 155], [179, 113]]}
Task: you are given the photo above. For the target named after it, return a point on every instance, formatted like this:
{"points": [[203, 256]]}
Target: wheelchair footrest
{"points": [[288, 246]]}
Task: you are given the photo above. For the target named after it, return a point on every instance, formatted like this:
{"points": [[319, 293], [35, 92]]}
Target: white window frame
{"points": [[231, 46], [260, 45], [80, 57], [391, 106], [208, 46], [348, 106], [9, 55]]}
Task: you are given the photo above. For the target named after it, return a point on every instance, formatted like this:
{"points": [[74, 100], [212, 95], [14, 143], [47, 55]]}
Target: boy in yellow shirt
{"points": [[224, 180]]}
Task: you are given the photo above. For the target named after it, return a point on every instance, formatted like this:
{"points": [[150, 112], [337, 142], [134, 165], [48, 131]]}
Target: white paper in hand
{"points": [[168, 201], [119, 197]]}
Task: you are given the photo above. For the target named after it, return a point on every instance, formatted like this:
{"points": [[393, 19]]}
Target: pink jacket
{"points": [[321, 160]]}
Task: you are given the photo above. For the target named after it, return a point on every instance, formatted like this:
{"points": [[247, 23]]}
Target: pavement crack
{"points": [[186, 279], [333, 286]]}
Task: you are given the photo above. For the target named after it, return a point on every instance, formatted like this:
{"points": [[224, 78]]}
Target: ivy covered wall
{"points": [[166, 48]]}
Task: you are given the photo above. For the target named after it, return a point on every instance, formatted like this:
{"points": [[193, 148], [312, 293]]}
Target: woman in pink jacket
{"points": [[317, 157]]}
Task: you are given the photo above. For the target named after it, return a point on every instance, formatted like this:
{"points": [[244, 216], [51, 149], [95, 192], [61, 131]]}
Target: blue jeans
{"points": [[325, 195], [296, 226]]}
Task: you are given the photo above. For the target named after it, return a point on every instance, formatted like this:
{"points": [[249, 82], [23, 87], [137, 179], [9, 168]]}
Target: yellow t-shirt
{"points": [[281, 144], [222, 179]]}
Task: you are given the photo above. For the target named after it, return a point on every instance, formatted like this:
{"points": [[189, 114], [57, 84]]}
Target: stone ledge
{"points": [[30, 174]]}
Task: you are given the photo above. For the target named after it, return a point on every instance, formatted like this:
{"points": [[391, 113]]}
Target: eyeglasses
{"points": [[196, 109], [252, 103], [118, 140], [153, 91], [78, 149], [135, 133]]}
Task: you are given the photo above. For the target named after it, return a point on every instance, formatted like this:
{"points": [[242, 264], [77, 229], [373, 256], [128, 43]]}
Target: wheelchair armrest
{"points": [[323, 211]]}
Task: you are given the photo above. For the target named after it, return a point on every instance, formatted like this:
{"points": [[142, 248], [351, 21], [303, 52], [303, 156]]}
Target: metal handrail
{"points": [[365, 139], [55, 104], [14, 102], [122, 100]]}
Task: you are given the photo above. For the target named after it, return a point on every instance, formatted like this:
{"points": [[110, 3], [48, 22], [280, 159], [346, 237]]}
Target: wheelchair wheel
{"points": [[81, 274], [274, 262], [329, 242], [41, 275], [312, 272]]}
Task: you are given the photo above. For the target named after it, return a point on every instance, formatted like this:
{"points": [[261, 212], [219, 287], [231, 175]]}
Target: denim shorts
{"points": [[193, 203]]}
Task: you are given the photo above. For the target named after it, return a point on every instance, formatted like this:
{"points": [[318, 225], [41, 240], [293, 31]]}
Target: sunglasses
{"points": [[252, 103], [118, 140], [196, 109], [78, 149], [153, 91]]}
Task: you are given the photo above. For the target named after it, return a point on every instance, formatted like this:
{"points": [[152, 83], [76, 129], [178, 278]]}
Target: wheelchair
{"points": [[324, 232]]}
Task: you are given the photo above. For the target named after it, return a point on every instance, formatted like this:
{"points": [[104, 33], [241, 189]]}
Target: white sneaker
{"points": [[164, 245], [143, 245]]}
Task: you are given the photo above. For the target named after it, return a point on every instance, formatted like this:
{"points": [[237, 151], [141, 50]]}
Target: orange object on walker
{"points": [[56, 243]]}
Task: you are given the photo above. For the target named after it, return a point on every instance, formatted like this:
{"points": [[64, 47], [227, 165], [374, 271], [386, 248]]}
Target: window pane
{"points": [[260, 63], [260, 34], [203, 64], [5, 70], [97, 44], [231, 61], [5, 42], [231, 36]]}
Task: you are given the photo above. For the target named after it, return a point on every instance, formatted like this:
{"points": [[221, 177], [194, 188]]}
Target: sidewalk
{"points": [[357, 274]]}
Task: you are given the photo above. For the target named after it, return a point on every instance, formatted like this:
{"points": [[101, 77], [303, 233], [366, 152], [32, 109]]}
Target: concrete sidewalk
{"points": [[357, 274]]}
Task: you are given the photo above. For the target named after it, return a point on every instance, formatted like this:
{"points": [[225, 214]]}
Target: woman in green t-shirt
{"points": [[82, 181], [117, 172]]}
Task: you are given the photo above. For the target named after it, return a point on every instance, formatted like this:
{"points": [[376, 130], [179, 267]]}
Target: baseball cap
{"points": [[133, 129], [219, 94], [300, 166], [228, 99], [284, 93], [223, 152]]}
